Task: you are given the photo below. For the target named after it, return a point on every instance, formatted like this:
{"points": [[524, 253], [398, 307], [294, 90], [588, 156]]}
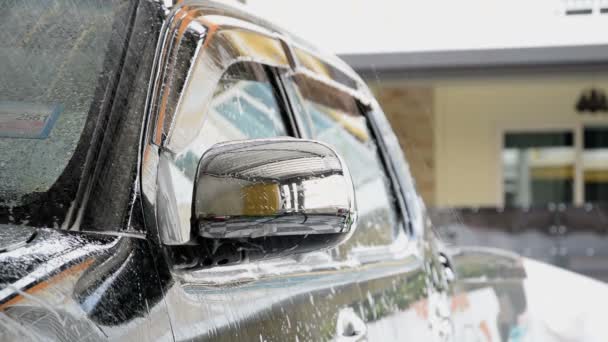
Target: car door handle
{"points": [[350, 328]]}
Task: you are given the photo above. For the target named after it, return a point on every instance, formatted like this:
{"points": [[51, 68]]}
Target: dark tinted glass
{"points": [[538, 139], [595, 163], [59, 61], [48, 76], [596, 137]]}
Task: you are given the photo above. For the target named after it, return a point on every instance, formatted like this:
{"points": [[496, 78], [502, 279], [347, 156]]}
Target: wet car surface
{"points": [[223, 180]]}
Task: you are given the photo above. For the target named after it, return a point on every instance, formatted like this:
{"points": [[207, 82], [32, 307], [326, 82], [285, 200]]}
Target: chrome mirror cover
{"points": [[272, 187]]}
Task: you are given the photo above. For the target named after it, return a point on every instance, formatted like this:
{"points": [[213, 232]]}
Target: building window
{"points": [[545, 167], [595, 164], [538, 168]]}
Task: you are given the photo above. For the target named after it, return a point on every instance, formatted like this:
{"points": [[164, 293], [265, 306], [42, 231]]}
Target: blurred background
{"points": [[500, 106]]}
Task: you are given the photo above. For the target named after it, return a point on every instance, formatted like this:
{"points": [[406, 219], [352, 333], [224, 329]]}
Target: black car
{"points": [[190, 171]]}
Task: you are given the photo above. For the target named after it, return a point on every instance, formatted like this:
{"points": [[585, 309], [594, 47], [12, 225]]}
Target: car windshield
{"points": [[53, 67]]}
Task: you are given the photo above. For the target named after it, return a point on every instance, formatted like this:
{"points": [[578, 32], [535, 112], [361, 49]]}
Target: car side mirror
{"points": [[271, 197]]}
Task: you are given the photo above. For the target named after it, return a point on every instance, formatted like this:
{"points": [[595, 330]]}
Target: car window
{"points": [[336, 120], [244, 106]]}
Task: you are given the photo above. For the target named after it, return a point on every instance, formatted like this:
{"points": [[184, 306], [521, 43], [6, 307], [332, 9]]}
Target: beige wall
{"points": [[410, 111], [451, 130], [470, 117]]}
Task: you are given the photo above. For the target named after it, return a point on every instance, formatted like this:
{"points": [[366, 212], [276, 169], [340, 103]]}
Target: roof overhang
{"points": [[470, 62]]}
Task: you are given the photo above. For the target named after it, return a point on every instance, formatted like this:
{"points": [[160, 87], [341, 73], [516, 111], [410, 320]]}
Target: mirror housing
{"points": [[264, 198]]}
